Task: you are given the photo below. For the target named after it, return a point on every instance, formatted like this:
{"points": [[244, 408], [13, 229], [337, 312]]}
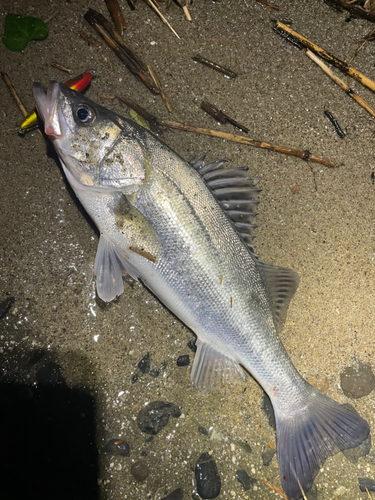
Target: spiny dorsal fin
{"points": [[281, 284], [235, 192]]}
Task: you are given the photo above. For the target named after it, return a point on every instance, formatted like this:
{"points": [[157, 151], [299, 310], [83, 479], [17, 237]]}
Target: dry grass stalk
{"points": [[340, 83], [61, 68], [275, 489], [165, 21], [342, 66], [304, 155], [116, 14], [12, 90], [161, 90]]}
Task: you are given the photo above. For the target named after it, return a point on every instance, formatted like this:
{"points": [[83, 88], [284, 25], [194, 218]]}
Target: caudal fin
{"points": [[323, 428]]}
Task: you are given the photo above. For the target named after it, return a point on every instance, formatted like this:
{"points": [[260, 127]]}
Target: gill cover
{"points": [[97, 146]]}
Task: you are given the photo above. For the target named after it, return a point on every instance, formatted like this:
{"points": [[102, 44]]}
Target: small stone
{"points": [[135, 378], [245, 446], [203, 430], [154, 373], [155, 416], [177, 494], [207, 477], [340, 492], [357, 381], [267, 456], [192, 345], [118, 447], [365, 482], [244, 478], [5, 306], [145, 364], [183, 360], [139, 471], [268, 411]]}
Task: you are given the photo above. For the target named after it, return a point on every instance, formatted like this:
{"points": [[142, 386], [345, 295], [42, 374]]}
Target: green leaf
{"points": [[20, 30]]}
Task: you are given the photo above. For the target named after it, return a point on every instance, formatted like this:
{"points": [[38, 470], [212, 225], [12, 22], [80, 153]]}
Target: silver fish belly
{"points": [[185, 231]]}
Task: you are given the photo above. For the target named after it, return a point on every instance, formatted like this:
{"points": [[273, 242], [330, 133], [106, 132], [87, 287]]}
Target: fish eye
{"points": [[85, 114]]}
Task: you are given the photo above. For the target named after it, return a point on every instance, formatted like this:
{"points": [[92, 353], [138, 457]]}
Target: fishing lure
{"points": [[79, 83]]}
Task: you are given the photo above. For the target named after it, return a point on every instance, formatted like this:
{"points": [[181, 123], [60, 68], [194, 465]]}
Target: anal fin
{"points": [[211, 368], [109, 267]]}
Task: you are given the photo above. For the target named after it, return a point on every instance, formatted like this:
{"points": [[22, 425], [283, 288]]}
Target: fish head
{"points": [[98, 149]]}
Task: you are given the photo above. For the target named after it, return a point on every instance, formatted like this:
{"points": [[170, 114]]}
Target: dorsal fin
{"points": [[281, 284], [236, 194]]}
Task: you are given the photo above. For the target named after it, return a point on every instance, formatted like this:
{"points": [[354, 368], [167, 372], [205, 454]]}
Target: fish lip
{"points": [[48, 106]]}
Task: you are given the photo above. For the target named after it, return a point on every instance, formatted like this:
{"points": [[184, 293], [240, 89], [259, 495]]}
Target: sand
{"points": [[315, 220]]}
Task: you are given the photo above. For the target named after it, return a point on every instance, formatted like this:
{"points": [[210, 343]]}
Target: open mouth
{"points": [[49, 110]]}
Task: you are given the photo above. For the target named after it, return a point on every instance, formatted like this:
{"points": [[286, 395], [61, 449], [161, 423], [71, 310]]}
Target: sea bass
{"points": [[184, 230]]}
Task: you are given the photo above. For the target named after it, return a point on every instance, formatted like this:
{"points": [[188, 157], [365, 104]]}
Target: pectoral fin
{"points": [[109, 267]]}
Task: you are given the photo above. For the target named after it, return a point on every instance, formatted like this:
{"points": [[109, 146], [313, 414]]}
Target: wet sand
{"points": [[315, 220]]}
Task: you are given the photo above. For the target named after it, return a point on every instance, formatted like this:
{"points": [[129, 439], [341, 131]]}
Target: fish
{"points": [[184, 229]]}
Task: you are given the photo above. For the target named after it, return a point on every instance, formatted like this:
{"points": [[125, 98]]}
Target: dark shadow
{"points": [[47, 439]]}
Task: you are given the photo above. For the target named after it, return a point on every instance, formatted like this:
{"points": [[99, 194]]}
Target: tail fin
{"points": [[323, 428]]}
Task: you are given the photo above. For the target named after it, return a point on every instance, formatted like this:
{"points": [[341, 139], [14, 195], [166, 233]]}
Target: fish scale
{"points": [[185, 230]]}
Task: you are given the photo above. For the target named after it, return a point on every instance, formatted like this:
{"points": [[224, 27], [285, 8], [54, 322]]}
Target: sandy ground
{"points": [[315, 220]]}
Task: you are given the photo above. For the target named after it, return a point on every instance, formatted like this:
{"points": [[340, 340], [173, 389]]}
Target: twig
{"points": [[335, 123], [116, 14], [275, 489], [220, 116], [12, 90], [269, 5], [161, 90], [50, 18], [342, 66], [95, 20], [340, 83], [214, 66], [184, 4], [152, 4], [304, 155], [102, 21], [62, 68]]}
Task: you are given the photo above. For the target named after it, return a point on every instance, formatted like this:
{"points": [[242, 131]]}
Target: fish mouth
{"points": [[48, 106]]}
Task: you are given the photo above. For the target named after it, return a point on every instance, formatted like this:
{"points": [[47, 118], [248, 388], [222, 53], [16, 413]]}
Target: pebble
{"points": [[191, 345], [155, 416], [244, 478], [154, 373], [145, 364], [183, 360], [139, 471], [268, 411], [267, 456], [365, 482], [207, 477], [5, 306], [357, 381], [118, 447], [177, 494], [203, 430], [245, 446]]}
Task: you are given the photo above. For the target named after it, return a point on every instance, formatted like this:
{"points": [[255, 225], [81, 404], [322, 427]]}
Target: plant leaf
{"points": [[20, 30]]}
